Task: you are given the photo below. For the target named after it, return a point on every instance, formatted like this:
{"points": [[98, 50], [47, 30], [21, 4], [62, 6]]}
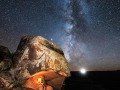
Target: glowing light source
{"points": [[83, 71], [39, 81]]}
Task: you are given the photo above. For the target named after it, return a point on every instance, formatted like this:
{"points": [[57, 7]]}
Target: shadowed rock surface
{"points": [[5, 58], [5, 65]]}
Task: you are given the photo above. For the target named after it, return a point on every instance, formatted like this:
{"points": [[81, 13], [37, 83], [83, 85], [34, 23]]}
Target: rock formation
{"points": [[5, 58], [35, 57]]}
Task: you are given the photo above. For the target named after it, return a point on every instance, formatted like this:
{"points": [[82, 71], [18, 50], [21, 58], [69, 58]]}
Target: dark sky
{"points": [[88, 31]]}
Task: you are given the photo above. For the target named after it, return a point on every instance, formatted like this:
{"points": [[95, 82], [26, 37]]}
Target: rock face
{"points": [[5, 58], [36, 57], [39, 55], [20, 49], [5, 65]]}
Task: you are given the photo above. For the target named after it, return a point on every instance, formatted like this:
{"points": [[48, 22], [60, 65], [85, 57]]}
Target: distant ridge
{"points": [[93, 80]]}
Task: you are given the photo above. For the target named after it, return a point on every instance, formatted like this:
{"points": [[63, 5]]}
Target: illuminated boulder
{"points": [[37, 58]]}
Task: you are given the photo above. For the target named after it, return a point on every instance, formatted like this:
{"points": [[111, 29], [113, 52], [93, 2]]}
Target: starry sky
{"points": [[88, 31]]}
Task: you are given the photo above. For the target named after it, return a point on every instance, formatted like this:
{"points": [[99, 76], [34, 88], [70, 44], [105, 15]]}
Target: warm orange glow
{"points": [[39, 81], [35, 82]]}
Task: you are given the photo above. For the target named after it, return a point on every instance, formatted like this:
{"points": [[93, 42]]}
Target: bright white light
{"points": [[83, 71]]}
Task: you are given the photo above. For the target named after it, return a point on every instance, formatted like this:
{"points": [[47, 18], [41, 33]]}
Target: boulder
{"points": [[38, 56], [34, 58]]}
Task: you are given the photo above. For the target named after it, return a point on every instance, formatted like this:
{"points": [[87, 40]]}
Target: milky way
{"points": [[93, 33], [88, 31]]}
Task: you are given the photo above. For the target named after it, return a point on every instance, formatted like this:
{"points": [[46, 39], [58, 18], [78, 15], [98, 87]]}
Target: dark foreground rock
{"points": [[5, 58]]}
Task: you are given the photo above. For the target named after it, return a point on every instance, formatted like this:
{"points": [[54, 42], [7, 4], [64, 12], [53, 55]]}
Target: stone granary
{"points": [[37, 64]]}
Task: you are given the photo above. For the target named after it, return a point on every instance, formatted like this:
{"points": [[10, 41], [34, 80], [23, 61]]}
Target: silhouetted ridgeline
{"points": [[94, 80]]}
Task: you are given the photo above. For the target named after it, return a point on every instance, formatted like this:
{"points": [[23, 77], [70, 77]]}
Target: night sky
{"points": [[88, 31]]}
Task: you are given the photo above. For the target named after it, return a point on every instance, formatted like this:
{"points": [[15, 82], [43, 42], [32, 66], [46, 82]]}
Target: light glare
{"points": [[83, 71]]}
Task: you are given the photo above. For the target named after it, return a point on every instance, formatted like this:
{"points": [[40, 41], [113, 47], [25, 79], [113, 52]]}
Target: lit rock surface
{"points": [[20, 49], [35, 55]]}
